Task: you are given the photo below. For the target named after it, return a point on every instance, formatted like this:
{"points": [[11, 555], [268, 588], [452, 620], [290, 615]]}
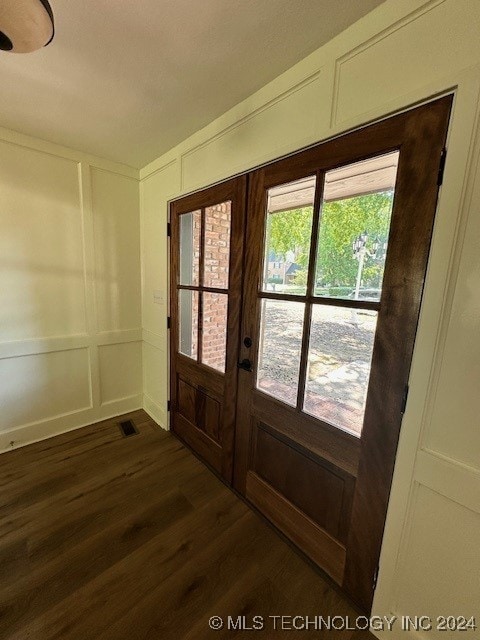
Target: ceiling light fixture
{"points": [[25, 25]]}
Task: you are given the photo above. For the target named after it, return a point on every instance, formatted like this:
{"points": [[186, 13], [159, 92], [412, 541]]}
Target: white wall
{"points": [[403, 53], [70, 303], [154, 194]]}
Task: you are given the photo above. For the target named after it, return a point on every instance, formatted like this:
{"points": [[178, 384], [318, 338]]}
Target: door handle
{"points": [[245, 364]]}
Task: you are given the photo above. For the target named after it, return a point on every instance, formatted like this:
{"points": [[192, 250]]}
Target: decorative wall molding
{"points": [[150, 171], [36, 357], [22, 140], [253, 114], [336, 120], [155, 339], [186, 186], [19, 348], [451, 478]]}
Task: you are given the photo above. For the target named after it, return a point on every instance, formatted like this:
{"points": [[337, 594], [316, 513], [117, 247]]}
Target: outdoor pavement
{"points": [[341, 342]]}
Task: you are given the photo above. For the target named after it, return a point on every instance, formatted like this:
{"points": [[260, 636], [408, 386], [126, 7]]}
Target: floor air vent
{"points": [[127, 428]]}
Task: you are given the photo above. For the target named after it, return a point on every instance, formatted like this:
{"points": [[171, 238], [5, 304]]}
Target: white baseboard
{"points": [[35, 432], [156, 412]]}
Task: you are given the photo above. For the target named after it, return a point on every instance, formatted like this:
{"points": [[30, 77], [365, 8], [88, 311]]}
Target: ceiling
{"points": [[128, 80]]}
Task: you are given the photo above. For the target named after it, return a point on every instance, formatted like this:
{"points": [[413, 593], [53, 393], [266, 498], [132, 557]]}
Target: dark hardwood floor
{"points": [[112, 538]]}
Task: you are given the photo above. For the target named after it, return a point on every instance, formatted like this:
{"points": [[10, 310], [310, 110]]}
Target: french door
{"points": [[319, 343], [206, 278]]}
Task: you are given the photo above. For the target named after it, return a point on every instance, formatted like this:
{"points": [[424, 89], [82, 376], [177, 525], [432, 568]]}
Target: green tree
{"points": [[341, 222], [290, 231]]}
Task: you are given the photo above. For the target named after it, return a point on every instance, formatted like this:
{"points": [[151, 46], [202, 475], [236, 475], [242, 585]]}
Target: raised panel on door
{"points": [[206, 271], [335, 259]]}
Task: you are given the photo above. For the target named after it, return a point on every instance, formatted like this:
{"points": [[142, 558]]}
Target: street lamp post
{"points": [[360, 253]]}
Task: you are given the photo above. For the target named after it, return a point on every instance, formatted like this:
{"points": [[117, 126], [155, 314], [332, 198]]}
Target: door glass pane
{"points": [[217, 245], [190, 231], [339, 359], [214, 330], [288, 236], [281, 331], [354, 226], [188, 322]]}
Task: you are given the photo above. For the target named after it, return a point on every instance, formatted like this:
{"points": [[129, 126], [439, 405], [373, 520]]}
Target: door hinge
{"points": [[441, 168], [169, 322], [169, 230], [375, 577], [169, 405], [404, 398]]}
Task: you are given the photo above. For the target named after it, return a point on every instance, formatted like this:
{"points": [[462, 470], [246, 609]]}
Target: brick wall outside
{"points": [[217, 254], [214, 329], [216, 262], [217, 245], [196, 234]]}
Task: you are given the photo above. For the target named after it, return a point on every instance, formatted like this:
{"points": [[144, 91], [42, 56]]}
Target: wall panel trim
{"points": [[155, 340], [298, 86], [37, 346], [22, 140], [403, 22]]}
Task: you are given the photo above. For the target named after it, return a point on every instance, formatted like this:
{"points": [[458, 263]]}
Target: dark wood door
{"points": [[207, 233], [336, 254]]}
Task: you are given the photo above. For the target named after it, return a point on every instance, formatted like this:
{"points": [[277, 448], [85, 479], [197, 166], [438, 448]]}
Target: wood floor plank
{"points": [[107, 538], [106, 477], [51, 583], [93, 605], [170, 609]]}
